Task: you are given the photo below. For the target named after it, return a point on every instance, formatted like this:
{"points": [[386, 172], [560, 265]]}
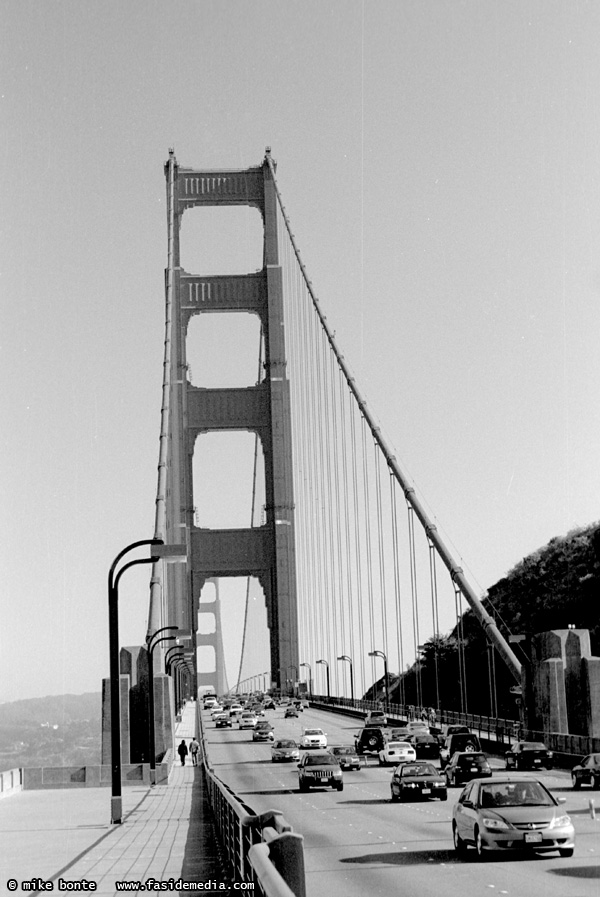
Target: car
{"points": [[319, 769], [258, 710], [222, 720], [395, 752], [284, 749], [375, 718], [298, 706], [247, 719], [455, 729], [290, 712], [459, 741], [369, 740], [417, 780], [234, 709], [396, 733], [346, 756], [215, 711], [209, 702], [509, 814], [587, 772], [528, 755], [426, 746], [313, 738], [419, 726], [269, 704], [467, 765], [263, 731]]}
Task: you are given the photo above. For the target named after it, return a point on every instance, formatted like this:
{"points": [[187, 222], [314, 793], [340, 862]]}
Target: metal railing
{"points": [[499, 730], [259, 848]]}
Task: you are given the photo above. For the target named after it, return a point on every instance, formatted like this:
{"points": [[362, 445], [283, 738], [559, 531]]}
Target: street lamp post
{"points": [[294, 677], [158, 550], [152, 643], [349, 659], [309, 677], [327, 668], [385, 667]]}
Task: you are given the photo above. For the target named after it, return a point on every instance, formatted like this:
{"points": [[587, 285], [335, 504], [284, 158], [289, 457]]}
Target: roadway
{"points": [[358, 843]]}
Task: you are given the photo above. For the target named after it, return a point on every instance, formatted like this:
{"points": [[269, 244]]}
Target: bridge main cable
{"points": [[456, 572]]}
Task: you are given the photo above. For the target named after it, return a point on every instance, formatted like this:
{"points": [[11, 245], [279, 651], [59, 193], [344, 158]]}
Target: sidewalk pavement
{"points": [[167, 833]]}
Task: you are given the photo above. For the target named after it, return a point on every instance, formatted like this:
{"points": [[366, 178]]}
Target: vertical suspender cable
{"points": [[455, 570]]}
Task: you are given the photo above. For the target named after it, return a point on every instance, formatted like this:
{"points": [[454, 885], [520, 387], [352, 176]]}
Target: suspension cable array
{"points": [[351, 577]]}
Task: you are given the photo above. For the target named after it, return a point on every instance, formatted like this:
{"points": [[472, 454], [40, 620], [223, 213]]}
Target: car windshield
{"points": [[321, 760], [515, 794], [285, 744], [313, 731], [424, 769]]}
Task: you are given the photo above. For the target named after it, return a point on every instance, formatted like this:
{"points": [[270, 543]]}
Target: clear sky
{"points": [[439, 161]]}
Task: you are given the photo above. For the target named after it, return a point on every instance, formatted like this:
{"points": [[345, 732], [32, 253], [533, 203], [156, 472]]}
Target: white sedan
{"points": [[247, 720], [395, 752], [313, 738]]}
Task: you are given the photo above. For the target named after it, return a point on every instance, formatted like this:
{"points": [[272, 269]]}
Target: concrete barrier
{"points": [[47, 777], [11, 782]]}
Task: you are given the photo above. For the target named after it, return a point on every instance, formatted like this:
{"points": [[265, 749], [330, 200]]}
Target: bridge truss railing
{"points": [[496, 731], [259, 848]]}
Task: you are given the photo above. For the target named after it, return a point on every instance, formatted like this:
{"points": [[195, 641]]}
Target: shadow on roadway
{"points": [[577, 871], [404, 858], [203, 858]]}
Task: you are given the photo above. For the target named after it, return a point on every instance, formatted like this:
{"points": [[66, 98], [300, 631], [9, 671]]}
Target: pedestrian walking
{"points": [[194, 748], [182, 750]]}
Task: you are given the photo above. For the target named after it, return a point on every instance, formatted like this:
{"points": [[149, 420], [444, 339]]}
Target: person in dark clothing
{"points": [[182, 751]]}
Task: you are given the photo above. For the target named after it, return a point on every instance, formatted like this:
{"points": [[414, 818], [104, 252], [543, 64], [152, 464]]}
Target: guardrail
{"points": [[499, 731], [261, 848]]}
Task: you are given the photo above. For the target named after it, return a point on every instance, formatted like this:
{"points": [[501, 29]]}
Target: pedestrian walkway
{"points": [[167, 833]]}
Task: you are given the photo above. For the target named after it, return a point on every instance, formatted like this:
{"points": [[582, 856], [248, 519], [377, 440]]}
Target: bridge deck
{"points": [[167, 832]]}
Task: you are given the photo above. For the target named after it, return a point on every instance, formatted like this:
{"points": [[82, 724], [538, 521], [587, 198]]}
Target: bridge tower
{"points": [[267, 551]]}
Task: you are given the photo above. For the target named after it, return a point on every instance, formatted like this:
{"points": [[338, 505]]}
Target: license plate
{"points": [[537, 762], [426, 791], [473, 769], [533, 837]]}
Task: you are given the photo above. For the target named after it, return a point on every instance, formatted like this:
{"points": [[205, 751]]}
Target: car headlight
{"points": [[559, 821], [497, 825]]}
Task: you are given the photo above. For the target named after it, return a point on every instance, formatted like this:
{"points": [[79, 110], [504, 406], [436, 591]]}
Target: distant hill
{"points": [[58, 730]]}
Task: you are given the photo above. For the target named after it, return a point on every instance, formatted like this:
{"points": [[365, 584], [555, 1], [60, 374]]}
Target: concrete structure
{"points": [[266, 552], [562, 686]]}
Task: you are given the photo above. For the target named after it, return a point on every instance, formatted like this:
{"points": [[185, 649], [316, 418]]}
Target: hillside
{"points": [[60, 730], [554, 587]]}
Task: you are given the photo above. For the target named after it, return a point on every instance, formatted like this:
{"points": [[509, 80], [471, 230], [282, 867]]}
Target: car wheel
{"points": [[566, 851], [372, 742], [444, 796], [340, 787], [470, 747], [394, 797], [575, 781], [459, 845], [479, 845], [302, 787], [596, 783], [380, 762]]}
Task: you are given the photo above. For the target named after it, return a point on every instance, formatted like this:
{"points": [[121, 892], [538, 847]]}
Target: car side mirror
{"points": [[562, 800], [467, 803]]}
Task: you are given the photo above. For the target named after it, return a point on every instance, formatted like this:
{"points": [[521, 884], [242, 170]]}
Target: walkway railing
{"points": [[261, 849]]}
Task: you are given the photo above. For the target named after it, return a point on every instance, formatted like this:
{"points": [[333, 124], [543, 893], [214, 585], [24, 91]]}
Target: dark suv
{"points": [[369, 740], [462, 767], [460, 741]]}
